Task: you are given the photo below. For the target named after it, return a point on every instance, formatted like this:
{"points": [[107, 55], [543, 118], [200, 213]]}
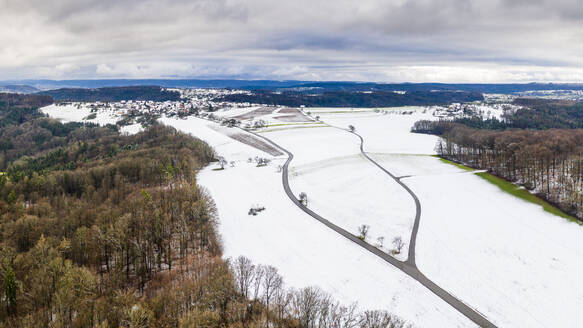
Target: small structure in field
{"points": [[256, 210]]}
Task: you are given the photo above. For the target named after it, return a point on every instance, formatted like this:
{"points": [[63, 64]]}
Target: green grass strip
{"points": [[299, 123], [460, 166], [294, 128], [525, 195], [341, 112]]}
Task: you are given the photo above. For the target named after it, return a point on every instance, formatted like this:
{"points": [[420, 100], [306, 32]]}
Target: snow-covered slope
{"points": [[308, 253], [346, 188], [82, 113], [388, 133], [304, 251], [509, 259]]}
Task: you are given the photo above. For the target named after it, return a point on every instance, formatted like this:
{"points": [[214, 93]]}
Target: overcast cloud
{"points": [[372, 40]]}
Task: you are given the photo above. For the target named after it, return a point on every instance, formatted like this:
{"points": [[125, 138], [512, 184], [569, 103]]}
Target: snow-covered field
{"points": [[216, 136], [305, 252], [388, 133], [346, 188], [72, 113], [515, 263], [510, 260], [81, 113]]}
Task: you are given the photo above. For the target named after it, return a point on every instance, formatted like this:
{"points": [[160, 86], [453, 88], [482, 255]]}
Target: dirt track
{"points": [[256, 143]]}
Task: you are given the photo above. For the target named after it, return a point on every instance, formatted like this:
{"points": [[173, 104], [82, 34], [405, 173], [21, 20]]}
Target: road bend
{"points": [[409, 266]]}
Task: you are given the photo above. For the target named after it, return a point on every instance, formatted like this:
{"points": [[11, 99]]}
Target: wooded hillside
{"points": [[153, 93]]}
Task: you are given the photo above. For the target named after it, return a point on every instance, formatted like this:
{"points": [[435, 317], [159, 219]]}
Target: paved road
{"points": [[412, 241], [409, 267]]}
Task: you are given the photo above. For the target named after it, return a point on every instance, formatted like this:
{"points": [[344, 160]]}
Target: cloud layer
{"points": [[373, 40]]}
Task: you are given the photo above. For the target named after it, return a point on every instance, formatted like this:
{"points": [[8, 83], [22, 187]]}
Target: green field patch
{"points": [[299, 123], [458, 165], [295, 128], [342, 112]]}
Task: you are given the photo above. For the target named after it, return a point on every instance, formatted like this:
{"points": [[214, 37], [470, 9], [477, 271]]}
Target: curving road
{"points": [[412, 241], [409, 267]]}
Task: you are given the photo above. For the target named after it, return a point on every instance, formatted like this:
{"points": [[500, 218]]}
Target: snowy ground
{"points": [[81, 113], [217, 136], [388, 133], [346, 188], [307, 253], [72, 113], [304, 251], [233, 112], [131, 129], [515, 263]]}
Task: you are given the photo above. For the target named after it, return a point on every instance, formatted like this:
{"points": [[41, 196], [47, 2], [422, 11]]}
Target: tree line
{"points": [[546, 162], [111, 94], [354, 99]]}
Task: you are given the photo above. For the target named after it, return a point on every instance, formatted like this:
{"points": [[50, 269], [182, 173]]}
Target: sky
{"points": [[479, 41]]}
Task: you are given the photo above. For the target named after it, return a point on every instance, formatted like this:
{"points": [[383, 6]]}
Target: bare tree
{"points": [[305, 305], [304, 198], [258, 278], [349, 316], [326, 309], [380, 319], [308, 307], [380, 241], [222, 162], [363, 231], [271, 282], [262, 161], [259, 124], [282, 301], [244, 275], [343, 316], [398, 244]]}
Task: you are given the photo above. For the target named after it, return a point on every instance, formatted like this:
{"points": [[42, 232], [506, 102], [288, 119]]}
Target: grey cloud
{"points": [[367, 39]]}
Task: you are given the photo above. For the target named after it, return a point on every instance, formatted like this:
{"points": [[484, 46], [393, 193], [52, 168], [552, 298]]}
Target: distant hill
{"points": [[292, 85], [320, 87], [18, 88], [18, 101], [356, 99], [153, 93]]}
